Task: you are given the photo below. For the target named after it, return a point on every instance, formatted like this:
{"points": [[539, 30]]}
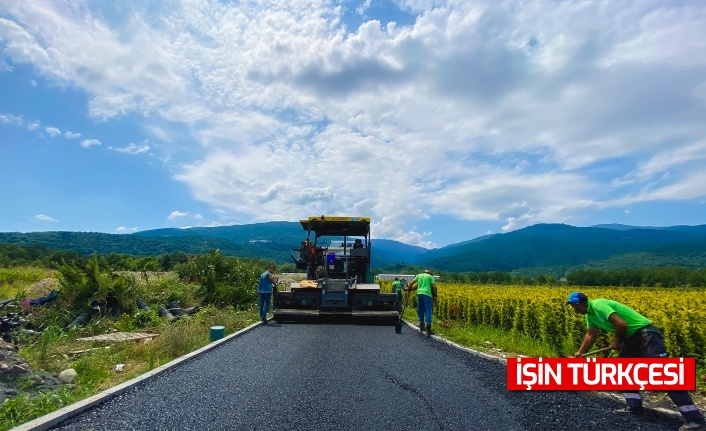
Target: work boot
{"points": [[631, 410], [429, 331], [421, 327], [693, 426]]}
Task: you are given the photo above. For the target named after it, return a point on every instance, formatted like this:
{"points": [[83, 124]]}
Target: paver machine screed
{"points": [[336, 256]]}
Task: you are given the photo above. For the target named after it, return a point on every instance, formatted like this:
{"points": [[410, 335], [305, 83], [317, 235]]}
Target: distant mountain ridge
{"points": [[551, 248], [563, 246], [699, 230], [284, 236]]}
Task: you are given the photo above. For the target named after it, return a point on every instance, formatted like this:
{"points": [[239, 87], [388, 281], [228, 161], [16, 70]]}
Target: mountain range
{"points": [[552, 249]]}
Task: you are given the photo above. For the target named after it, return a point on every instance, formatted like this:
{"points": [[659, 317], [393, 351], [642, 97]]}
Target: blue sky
{"points": [[441, 120]]}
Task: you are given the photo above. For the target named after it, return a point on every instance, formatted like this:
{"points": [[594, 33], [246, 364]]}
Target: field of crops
{"points": [[540, 312]]}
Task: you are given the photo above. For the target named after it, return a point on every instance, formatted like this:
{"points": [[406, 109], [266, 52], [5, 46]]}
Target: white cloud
{"points": [[665, 161], [90, 142], [159, 133], [177, 215], [123, 229], [132, 149], [214, 224], [52, 131], [10, 119], [690, 186], [71, 135], [33, 125], [43, 217], [512, 112]]}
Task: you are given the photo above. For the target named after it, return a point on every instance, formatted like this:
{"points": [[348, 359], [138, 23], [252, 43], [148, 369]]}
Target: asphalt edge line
{"points": [[54, 418], [657, 411]]}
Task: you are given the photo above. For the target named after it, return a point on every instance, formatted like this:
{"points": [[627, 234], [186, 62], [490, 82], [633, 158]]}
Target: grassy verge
{"points": [[487, 339]]}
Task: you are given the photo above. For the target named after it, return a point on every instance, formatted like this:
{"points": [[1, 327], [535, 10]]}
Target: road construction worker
{"points": [[426, 294], [397, 290], [265, 288], [634, 336]]}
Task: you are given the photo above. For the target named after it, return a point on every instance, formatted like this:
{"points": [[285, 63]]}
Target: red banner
{"points": [[611, 374]]}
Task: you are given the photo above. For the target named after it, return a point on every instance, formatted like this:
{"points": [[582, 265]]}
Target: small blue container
{"points": [[216, 333]]}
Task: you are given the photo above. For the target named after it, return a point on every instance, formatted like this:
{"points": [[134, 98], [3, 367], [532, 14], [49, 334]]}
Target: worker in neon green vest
{"points": [[634, 336], [425, 286]]}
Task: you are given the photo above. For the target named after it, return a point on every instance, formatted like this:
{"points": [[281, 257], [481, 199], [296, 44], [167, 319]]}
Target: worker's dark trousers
{"points": [[264, 300], [649, 343], [424, 308]]}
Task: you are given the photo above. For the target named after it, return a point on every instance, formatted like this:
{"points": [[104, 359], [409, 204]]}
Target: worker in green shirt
{"points": [[634, 336], [397, 290], [426, 294]]}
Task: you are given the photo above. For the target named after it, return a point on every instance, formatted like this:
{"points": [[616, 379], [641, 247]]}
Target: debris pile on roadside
{"points": [[17, 377], [173, 310], [103, 307], [110, 306], [14, 318]]}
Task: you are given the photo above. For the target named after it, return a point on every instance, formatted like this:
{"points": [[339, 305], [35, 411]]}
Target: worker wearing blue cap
{"points": [[634, 336]]}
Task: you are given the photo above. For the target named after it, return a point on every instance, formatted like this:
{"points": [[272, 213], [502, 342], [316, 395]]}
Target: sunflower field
{"points": [[540, 312]]}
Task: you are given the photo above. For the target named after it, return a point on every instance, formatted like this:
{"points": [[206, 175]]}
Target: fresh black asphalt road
{"points": [[337, 376]]}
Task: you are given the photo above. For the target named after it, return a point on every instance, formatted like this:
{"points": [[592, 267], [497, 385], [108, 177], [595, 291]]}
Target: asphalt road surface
{"points": [[346, 377]]}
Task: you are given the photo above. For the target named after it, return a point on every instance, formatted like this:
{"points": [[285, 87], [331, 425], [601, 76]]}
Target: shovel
{"points": [[398, 325], [595, 352]]}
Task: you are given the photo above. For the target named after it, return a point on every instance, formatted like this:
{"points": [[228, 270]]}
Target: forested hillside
{"points": [[269, 241], [281, 232], [552, 249], [562, 246], [102, 243]]}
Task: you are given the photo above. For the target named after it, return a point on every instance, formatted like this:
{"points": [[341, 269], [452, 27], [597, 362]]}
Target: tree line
{"points": [[662, 276], [13, 255], [666, 276]]}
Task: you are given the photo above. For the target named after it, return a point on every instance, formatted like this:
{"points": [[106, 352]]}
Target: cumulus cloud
{"points": [[90, 142], [52, 131], [177, 215], [507, 112], [43, 217], [71, 135]]}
